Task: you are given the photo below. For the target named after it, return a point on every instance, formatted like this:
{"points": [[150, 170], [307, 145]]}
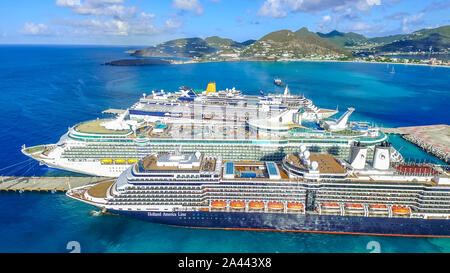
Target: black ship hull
{"points": [[358, 225]]}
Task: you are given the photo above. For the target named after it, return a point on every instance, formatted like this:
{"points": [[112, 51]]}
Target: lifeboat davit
{"points": [[237, 204], [400, 210], [219, 204], [256, 205], [275, 205], [295, 206]]}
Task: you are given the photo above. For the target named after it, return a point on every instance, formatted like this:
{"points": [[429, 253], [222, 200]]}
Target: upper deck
{"points": [[327, 164], [95, 127]]}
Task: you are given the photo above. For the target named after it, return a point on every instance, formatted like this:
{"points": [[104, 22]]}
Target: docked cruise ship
{"points": [[228, 105], [107, 147], [305, 192]]}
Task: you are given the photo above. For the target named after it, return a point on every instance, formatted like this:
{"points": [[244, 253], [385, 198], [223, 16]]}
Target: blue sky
{"points": [[148, 22]]}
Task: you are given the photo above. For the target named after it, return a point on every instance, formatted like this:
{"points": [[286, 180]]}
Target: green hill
{"points": [[187, 47], [190, 47], [285, 43], [437, 38], [344, 39]]}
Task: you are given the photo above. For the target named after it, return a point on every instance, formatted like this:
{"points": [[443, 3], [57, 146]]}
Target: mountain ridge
{"points": [[300, 43]]}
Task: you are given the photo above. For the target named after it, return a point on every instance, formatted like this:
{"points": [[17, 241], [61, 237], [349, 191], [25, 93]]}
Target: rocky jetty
{"points": [[139, 62]]}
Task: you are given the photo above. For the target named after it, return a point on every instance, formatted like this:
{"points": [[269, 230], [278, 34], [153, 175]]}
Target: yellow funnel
{"points": [[211, 88]]}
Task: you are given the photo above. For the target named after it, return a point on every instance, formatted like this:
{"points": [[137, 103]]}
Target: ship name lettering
{"points": [[154, 214]]}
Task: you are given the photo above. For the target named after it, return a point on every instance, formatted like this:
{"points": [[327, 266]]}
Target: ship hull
{"points": [[357, 225]]}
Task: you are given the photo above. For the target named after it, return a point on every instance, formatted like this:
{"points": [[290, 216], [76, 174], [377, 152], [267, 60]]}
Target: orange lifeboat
{"points": [[354, 206], [295, 206], [378, 207], [256, 205], [237, 204], [204, 209], [218, 204], [330, 205], [275, 205], [400, 210]]}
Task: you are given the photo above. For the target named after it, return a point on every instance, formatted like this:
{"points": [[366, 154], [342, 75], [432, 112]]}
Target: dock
{"points": [[113, 111], [46, 184], [434, 139]]}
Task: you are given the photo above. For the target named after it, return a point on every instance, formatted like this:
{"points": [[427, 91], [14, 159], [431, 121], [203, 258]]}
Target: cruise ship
{"points": [[305, 192], [228, 105], [107, 147]]}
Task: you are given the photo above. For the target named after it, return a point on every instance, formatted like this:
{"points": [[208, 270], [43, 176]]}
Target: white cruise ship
{"points": [[106, 147]]}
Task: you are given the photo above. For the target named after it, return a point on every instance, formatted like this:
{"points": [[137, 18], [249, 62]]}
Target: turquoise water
{"points": [[44, 90]]}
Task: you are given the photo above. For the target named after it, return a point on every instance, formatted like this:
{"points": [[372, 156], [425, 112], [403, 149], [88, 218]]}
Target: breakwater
{"points": [[433, 139]]}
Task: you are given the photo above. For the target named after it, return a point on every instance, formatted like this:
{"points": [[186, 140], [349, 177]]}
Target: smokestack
{"points": [[382, 156], [358, 156]]}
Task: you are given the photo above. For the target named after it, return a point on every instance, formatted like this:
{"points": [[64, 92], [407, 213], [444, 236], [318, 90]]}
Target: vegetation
{"points": [[301, 44]]}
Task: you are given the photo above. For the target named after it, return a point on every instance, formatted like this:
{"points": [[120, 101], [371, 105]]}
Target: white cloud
{"points": [[67, 3], [173, 23], [35, 29], [147, 15], [414, 19], [106, 17], [192, 5], [273, 9], [114, 8], [280, 8]]}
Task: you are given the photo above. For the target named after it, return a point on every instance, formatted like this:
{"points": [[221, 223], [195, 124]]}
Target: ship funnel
{"points": [[382, 156], [358, 155], [211, 88]]}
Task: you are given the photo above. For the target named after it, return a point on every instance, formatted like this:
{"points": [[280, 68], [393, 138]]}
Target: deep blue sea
{"points": [[46, 89]]}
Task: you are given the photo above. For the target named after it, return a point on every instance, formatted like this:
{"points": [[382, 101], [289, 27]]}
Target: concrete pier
{"points": [[434, 139], [114, 111], [46, 184]]}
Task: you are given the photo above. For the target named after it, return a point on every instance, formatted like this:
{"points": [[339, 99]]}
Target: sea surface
{"points": [[46, 89]]}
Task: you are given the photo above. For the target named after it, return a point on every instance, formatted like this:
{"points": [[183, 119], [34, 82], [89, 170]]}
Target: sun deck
{"points": [[150, 163], [327, 163], [100, 190], [95, 127]]}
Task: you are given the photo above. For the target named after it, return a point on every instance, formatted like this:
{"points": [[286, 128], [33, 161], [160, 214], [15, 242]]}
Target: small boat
{"points": [[132, 161], [295, 206], [401, 210], [256, 205], [120, 161], [278, 81], [378, 207], [237, 204], [354, 206], [330, 206], [95, 213], [393, 70], [107, 161], [275, 205], [218, 204]]}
